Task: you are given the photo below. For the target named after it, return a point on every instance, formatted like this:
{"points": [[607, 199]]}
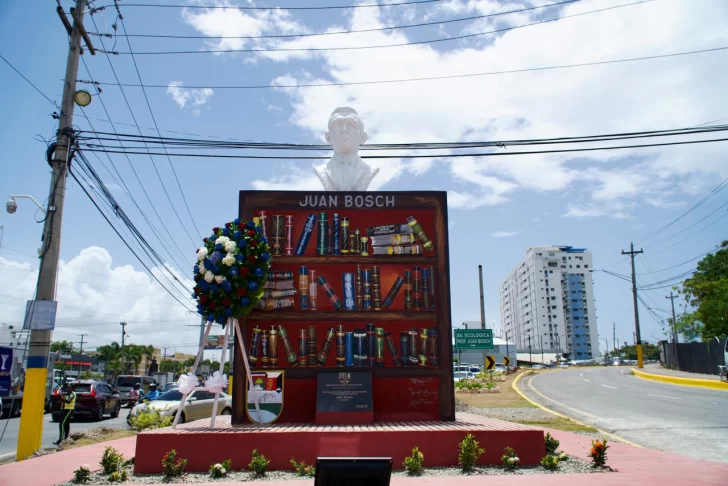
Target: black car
{"points": [[93, 399]]}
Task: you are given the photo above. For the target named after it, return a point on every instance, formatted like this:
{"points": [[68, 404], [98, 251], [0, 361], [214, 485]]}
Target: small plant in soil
{"points": [[220, 470], [258, 463], [563, 457], [172, 466], [112, 460], [149, 419], [551, 444], [118, 476], [510, 459], [469, 453], [413, 464], [550, 462], [82, 475], [598, 453], [303, 469]]}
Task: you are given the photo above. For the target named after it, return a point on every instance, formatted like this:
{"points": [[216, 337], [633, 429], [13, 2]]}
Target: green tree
{"points": [[170, 367], [214, 366], [65, 347], [188, 363], [706, 291], [629, 351]]}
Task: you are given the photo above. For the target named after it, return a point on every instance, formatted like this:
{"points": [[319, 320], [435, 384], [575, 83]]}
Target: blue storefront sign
{"points": [[6, 366]]}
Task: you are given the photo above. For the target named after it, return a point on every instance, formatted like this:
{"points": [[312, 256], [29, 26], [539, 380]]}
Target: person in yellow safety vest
{"points": [[68, 403]]}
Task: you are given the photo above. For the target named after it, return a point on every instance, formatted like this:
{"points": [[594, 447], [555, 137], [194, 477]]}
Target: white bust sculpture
{"points": [[345, 171]]}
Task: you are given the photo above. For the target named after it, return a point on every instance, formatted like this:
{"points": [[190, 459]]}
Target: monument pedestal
{"points": [[344, 398]]}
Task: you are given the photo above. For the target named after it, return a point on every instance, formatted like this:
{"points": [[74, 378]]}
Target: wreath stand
{"points": [[217, 382]]}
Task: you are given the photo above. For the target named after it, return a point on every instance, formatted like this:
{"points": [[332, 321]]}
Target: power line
{"points": [[29, 82], [693, 234], [340, 32], [154, 120], [430, 78], [233, 7], [683, 263], [694, 224], [408, 156], [385, 46]]}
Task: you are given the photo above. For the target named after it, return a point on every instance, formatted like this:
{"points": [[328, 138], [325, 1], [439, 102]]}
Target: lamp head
{"points": [[11, 206]]}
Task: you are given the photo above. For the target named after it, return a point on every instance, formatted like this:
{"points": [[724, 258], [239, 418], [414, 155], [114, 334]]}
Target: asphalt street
{"points": [[686, 420], [9, 441]]}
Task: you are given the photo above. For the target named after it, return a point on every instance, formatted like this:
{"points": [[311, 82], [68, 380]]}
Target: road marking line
{"points": [[612, 387], [587, 380], [581, 374], [663, 396]]}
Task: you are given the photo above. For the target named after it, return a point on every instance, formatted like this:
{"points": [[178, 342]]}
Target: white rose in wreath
{"points": [[219, 279], [222, 240], [202, 253], [229, 259], [209, 276], [230, 246]]}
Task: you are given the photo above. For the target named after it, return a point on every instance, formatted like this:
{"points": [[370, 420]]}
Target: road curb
{"points": [[514, 385], [675, 380], [7, 457]]}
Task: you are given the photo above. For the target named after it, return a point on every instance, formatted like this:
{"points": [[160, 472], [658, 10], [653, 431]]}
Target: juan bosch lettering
{"points": [[349, 200]]}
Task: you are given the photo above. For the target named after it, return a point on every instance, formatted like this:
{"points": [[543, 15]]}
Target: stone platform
{"points": [[438, 441]]}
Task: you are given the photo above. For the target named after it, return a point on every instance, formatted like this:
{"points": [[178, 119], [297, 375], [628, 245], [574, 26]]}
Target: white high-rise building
{"points": [[549, 298]]}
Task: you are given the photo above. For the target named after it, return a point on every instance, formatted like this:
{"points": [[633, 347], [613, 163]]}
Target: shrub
{"points": [[510, 459], [149, 419], [413, 464], [112, 460], [118, 476], [82, 474], [258, 463], [598, 453], [550, 462], [551, 444], [171, 465], [490, 386], [303, 469], [563, 457], [219, 470], [469, 453]]}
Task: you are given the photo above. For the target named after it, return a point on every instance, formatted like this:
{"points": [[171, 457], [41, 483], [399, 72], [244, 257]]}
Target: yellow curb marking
{"points": [[675, 380]]}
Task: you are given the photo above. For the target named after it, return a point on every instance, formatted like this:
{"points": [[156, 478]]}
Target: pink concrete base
{"points": [[438, 441]]}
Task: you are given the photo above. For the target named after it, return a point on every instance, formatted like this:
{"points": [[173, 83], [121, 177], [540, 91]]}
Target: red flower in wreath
{"points": [[242, 292]]}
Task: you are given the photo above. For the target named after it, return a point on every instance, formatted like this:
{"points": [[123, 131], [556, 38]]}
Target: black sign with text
{"points": [[346, 391]]}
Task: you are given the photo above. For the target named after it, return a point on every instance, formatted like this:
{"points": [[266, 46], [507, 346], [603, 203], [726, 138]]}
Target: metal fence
{"points": [[694, 357]]}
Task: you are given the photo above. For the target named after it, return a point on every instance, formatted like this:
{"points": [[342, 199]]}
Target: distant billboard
{"points": [[214, 342]]}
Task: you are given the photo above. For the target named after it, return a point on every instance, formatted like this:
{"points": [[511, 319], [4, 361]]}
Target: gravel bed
{"points": [[511, 414], [571, 466]]}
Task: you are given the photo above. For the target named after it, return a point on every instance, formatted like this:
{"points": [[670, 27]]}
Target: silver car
{"points": [[199, 405]]}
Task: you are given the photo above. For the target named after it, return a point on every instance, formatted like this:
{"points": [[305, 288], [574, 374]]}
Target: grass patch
{"points": [[107, 435], [507, 398], [559, 423]]}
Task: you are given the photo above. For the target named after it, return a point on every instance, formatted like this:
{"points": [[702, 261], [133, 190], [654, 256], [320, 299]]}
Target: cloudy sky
{"points": [[498, 205]]}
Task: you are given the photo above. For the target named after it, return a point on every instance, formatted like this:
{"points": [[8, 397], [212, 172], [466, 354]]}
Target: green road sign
{"points": [[473, 339]]}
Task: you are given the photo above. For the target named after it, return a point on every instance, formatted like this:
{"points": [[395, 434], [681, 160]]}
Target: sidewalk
{"points": [[635, 466], [684, 378]]}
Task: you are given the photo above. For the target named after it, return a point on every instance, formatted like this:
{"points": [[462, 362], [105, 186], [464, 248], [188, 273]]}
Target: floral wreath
{"points": [[231, 271]]}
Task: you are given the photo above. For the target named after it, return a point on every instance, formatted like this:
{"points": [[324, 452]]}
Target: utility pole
{"points": [[638, 338], [482, 299], [530, 360], [540, 339], [123, 337], [508, 354], [634, 338], [614, 336], [30, 433], [606, 341], [80, 352], [674, 328]]}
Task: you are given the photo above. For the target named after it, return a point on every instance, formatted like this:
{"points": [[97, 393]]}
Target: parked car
{"points": [[199, 405], [538, 367], [170, 386], [93, 399]]}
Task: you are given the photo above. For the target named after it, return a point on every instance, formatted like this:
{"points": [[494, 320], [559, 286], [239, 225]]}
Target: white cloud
{"points": [[94, 295], [504, 234], [598, 99], [273, 108], [189, 98]]}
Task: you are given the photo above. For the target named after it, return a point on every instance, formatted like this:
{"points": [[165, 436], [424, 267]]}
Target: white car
{"points": [[199, 405], [462, 375]]}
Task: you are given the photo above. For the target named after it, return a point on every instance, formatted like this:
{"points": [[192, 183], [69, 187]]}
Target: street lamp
{"points": [[12, 205]]}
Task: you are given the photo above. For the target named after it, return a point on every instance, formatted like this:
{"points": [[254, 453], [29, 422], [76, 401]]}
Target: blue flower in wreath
{"points": [[240, 257], [245, 301], [218, 247], [265, 256], [252, 285], [196, 269], [233, 271], [236, 221], [228, 312], [204, 286], [213, 287], [226, 232], [259, 272], [227, 286], [251, 224], [215, 269], [242, 244], [263, 240], [215, 257], [210, 318], [220, 320], [207, 263], [237, 235]]}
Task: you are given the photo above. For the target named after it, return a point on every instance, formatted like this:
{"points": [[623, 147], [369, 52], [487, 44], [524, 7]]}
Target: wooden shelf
{"points": [[341, 316], [389, 372], [345, 260]]}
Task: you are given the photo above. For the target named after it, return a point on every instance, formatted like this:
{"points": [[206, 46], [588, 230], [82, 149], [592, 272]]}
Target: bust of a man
{"points": [[345, 171]]}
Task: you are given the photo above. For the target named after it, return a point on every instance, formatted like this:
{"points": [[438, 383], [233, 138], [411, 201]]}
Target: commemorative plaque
{"points": [[344, 398]]}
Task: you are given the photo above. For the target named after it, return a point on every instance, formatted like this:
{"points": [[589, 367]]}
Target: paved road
{"points": [[685, 420], [9, 441]]}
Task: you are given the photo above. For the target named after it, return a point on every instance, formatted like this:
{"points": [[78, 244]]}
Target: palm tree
{"points": [[148, 352], [188, 363]]}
